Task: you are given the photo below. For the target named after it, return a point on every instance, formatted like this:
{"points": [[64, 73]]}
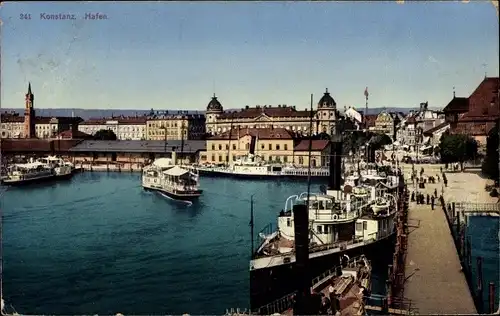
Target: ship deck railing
{"points": [[361, 240], [286, 302]]}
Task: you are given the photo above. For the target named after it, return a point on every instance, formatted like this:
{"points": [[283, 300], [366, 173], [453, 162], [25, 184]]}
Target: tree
{"points": [[378, 141], [490, 163], [457, 148], [105, 134]]}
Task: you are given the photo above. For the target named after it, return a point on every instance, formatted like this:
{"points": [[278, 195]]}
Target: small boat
{"points": [[172, 180], [18, 174], [62, 169]]}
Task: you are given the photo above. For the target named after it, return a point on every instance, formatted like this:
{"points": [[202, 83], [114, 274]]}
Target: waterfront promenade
{"points": [[434, 281]]}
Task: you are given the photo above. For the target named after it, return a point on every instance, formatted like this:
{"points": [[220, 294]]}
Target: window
{"points": [[234, 146], [277, 147], [213, 147], [319, 229], [301, 160], [285, 159], [262, 146], [227, 147], [234, 158], [289, 222], [286, 146], [220, 158], [220, 147], [359, 227], [247, 146], [270, 147], [270, 158], [213, 157], [365, 224]]}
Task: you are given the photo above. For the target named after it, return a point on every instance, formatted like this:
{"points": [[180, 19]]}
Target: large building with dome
{"points": [[283, 116]]}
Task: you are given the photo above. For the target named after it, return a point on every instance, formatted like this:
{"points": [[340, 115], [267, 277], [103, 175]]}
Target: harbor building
{"points": [[284, 116], [14, 148], [476, 115], [125, 128], [14, 125], [271, 144], [136, 151], [175, 126]]}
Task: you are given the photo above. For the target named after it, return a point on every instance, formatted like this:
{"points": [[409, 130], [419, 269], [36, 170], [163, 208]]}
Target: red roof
{"points": [[411, 120], [68, 134], [37, 145], [279, 111], [317, 145], [459, 105], [370, 119], [261, 133], [483, 102], [129, 120]]}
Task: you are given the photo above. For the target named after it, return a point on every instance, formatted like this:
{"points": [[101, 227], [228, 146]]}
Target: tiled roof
{"points": [[11, 118], [279, 111], [261, 133], [61, 119], [76, 135], [132, 120], [139, 146], [483, 102], [457, 105], [370, 119], [37, 145], [317, 145], [431, 131], [411, 120]]}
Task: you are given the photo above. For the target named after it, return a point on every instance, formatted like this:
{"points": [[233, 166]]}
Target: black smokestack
{"points": [[302, 278], [334, 181]]}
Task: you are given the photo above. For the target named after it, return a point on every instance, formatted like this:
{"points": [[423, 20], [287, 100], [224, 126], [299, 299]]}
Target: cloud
{"points": [[433, 60]]}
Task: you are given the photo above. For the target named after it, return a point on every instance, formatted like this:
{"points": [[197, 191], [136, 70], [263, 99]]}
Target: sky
{"points": [[176, 55]]}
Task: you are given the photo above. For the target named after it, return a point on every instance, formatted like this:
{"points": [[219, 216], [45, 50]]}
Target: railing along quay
{"points": [[396, 271], [457, 214]]}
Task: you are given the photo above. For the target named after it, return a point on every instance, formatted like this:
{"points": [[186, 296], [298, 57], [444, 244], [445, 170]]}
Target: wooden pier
{"points": [[434, 277]]}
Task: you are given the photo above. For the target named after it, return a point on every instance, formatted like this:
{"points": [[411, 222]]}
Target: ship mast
{"points": [[182, 140], [229, 143], [309, 150]]}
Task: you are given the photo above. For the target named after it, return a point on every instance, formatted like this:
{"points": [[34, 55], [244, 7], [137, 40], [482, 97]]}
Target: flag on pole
{"points": [[366, 92]]}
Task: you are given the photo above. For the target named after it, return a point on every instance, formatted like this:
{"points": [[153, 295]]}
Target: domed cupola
{"points": [[214, 105], [327, 101]]}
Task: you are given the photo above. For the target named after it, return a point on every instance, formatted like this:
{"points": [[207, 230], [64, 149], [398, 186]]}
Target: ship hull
{"points": [[37, 180], [250, 176], [184, 196], [270, 284]]}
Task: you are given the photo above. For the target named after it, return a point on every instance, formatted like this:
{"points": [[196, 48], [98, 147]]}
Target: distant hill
{"points": [[94, 113]]}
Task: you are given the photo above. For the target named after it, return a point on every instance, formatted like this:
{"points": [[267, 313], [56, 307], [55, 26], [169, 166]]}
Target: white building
{"points": [[355, 117], [125, 128], [406, 134]]}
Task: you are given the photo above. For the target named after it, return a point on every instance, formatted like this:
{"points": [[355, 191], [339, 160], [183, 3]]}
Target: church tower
{"points": [[327, 114], [214, 109], [29, 114]]}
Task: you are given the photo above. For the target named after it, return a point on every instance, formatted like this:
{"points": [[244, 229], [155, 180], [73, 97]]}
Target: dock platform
{"points": [[435, 282]]}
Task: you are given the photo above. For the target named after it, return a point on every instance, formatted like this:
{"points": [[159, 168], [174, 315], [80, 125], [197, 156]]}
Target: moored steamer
{"points": [[353, 219], [174, 181]]}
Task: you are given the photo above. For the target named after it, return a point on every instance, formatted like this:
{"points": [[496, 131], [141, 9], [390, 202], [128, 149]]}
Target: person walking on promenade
{"points": [[432, 202], [428, 199]]}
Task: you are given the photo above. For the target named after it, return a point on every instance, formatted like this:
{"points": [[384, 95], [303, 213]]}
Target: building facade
{"points": [[386, 123], [14, 125], [406, 133], [175, 126], [282, 116], [275, 145], [482, 111], [125, 128]]}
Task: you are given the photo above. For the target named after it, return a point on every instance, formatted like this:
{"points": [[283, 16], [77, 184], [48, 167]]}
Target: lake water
{"points": [[99, 244]]}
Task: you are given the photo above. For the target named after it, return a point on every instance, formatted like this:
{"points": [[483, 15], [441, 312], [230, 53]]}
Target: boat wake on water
{"points": [[188, 203]]}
